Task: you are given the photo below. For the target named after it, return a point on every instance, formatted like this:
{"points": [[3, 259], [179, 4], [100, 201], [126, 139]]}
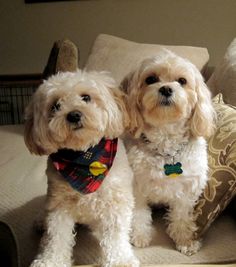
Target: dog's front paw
{"points": [[191, 248], [46, 263], [141, 237], [41, 263], [141, 240], [131, 262]]}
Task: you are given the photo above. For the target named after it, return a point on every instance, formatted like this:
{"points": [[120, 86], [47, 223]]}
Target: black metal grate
{"points": [[14, 97]]}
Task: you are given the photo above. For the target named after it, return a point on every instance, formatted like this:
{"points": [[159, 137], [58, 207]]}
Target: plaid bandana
{"points": [[85, 171]]}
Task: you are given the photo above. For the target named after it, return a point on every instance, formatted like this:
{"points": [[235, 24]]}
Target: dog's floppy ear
{"points": [[203, 118], [126, 82], [117, 115], [130, 86], [36, 135], [29, 135], [121, 101]]}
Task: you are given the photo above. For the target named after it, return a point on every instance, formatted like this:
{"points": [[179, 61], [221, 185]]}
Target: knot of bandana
{"points": [[85, 171]]}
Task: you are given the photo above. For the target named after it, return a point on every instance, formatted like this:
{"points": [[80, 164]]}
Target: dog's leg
{"points": [[142, 228], [113, 234], [182, 227], [57, 242]]}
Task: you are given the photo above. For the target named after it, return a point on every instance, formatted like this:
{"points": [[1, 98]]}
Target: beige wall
{"points": [[27, 31]]}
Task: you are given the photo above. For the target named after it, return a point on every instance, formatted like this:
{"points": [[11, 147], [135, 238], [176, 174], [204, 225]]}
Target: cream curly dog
{"points": [[171, 111], [75, 118]]}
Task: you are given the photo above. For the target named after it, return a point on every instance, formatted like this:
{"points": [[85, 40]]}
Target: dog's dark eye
{"points": [[56, 107], [151, 79], [86, 98], [182, 81]]}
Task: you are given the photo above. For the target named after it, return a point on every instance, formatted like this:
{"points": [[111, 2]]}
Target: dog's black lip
{"points": [[77, 126], [166, 102]]}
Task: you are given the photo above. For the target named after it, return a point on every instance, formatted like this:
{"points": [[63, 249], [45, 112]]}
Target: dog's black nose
{"points": [[74, 116], [166, 91]]}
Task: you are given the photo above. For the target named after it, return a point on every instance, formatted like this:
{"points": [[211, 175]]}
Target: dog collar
{"points": [[85, 171], [171, 170]]}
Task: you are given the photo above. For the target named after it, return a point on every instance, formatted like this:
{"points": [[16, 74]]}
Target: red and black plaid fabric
{"points": [[85, 171]]}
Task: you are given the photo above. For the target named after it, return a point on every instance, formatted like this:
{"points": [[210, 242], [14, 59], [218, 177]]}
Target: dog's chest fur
{"points": [[148, 159]]}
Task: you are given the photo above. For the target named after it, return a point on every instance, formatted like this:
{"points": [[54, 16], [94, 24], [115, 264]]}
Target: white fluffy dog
{"points": [[75, 118], [171, 111]]}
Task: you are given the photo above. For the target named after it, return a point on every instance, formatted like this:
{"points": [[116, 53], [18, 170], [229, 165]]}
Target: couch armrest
{"points": [[64, 56]]}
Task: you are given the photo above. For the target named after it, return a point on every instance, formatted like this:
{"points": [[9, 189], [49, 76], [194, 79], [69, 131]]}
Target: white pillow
{"points": [[120, 56]]}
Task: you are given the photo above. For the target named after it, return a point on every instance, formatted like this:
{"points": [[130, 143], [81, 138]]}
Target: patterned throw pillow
{"points": [[221, 187]]}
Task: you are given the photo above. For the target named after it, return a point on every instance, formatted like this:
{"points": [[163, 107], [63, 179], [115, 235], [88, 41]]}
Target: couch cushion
{"points": [[223, 79], [221, 187], [23, 185], [120, 56]]}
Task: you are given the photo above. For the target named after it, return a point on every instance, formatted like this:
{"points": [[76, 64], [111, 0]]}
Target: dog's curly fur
{"points": [[108, 211], [171, 111]]}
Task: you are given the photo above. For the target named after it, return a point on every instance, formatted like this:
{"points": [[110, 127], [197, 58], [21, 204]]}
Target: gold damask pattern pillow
{"points": [[221, 187]]}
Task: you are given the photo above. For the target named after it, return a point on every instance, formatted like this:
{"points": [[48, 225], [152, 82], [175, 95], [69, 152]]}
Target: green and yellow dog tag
{"points": [[173, 170]]}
